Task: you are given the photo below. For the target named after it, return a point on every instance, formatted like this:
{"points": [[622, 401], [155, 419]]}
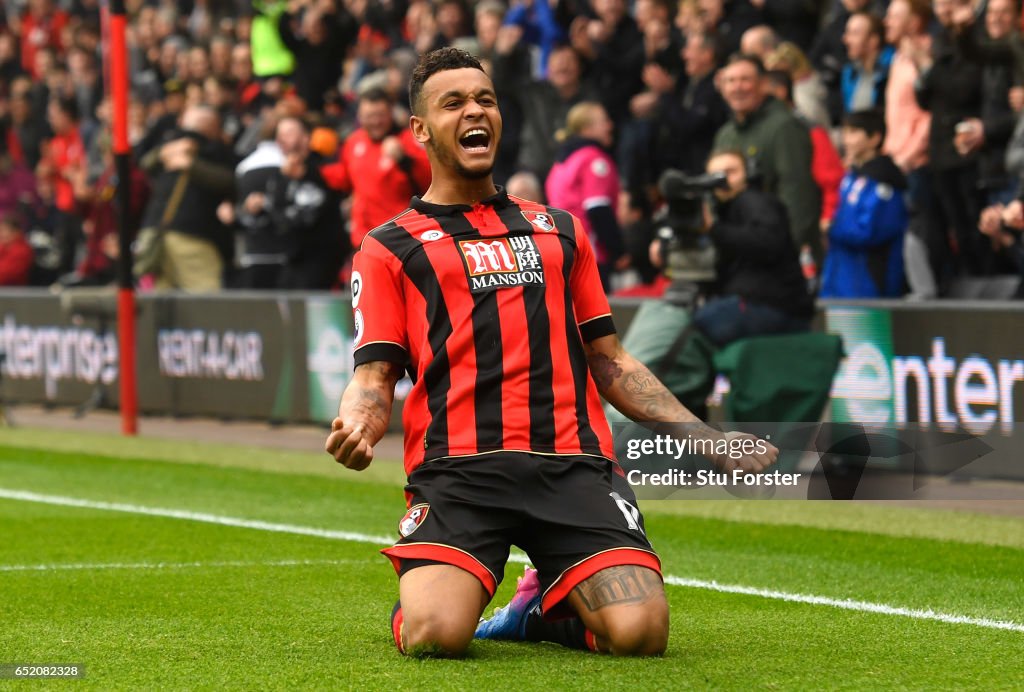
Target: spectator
{"points": [[319, 46], [10, 63], [662, 70], [540, 28], [246, 87], [694, 112], [613, 47], [25, 131], [778, 144], [220, 56], [950, 88], [270, 56], [525, 185], [170, 110], [865, 74], [728, 20], [759, 41], [760, 288], [86, 86], [64, 155], [828, 54], [1003, 227], [809, 93], [585, 182], [865, 248], [97, 206], [42, 26], [381, 165], [191, 175], [544, 105], [15, 252], [197, 65], [289, 220], [989, 133], [794, 21], [17, 184], [907, 128], [826, 166]]}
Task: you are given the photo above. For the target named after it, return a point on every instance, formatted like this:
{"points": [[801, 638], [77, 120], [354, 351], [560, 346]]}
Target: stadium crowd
{"points": [[270, 137]]}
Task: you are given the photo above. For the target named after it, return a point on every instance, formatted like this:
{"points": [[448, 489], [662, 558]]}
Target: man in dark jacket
{"points": [[291, 222], [613, 47], [319, 45], [191, 174], [950, 88], [689, 117], [760, 286], [543, 105], [996, 46], [776, 142]]}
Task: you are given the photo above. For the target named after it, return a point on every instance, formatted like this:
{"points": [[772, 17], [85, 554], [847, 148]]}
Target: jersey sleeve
{"points": [[593, 314], [378, 306], [598, 181], [335, 174]]}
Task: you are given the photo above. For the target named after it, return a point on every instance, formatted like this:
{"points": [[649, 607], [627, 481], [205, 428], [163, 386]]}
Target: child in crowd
{"points": [[865, 240]]}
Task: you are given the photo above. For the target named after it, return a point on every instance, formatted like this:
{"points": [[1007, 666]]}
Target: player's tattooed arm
{"points": [[629, 386], [368, 398], [363, 415], [622, 585]]}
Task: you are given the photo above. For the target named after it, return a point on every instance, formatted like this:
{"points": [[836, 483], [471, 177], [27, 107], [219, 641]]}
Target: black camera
{"points": [[688, 253]]}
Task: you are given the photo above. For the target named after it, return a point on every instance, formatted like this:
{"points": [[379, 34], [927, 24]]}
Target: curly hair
{"points": [[433, 62]]}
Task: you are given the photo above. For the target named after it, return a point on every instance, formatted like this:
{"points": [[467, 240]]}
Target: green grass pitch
{"points": [[161, 602]]}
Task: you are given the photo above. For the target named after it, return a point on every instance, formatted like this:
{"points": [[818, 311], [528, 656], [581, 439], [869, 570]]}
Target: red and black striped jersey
{"points": [[488, 307]]}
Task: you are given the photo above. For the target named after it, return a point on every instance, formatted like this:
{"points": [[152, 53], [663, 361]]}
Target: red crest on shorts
{"points": [[412, 519], [541, 220]]}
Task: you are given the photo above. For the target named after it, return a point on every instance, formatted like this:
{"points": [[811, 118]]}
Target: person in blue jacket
{"points": [[865, 240], [866, 72]]}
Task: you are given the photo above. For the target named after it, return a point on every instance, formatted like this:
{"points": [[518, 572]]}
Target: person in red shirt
{"points": [[494, 306], [15, 253], [42, 26], [381, 164], [63, 154]]}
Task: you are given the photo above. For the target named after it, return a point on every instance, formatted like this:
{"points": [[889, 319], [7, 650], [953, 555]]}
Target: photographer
{"points": [[760, 288], [735, 248], [292, 235], [191, 174]]}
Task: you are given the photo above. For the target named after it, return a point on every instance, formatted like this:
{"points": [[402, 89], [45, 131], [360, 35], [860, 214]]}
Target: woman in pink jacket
{"points": [[585, 182]]}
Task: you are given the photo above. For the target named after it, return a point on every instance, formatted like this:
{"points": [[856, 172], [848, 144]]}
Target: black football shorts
{"points": [[573, 516]]}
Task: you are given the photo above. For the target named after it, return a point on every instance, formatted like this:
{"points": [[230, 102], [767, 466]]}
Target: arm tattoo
{"points": [[623, 585], [384, 368], [604, 369], [652, 398], [372, 407]]}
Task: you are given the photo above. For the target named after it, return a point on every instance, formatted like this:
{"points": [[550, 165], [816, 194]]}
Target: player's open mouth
{"points": [[475, 141]]}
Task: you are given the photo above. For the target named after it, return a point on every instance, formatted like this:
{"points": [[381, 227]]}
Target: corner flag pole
{"points": [[117, 79]]}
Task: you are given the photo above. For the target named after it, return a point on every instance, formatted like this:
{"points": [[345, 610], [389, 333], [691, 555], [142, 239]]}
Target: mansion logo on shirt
{"points": [[500, 262]]}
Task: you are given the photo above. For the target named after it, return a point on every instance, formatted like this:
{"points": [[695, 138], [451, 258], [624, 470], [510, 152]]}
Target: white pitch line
{"points": [[194, 516], [845, 604], [172, 565]]}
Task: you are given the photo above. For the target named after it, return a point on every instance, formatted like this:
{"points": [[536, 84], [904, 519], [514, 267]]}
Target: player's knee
{"points": [[435, 634], [639, 630]]}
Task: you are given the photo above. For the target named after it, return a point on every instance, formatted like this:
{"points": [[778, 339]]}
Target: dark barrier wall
{"points": [[237, 356], [957, 365]]}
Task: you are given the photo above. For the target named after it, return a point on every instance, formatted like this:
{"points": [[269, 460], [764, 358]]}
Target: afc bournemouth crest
{"points": [[541, 220], [412, 519]]}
